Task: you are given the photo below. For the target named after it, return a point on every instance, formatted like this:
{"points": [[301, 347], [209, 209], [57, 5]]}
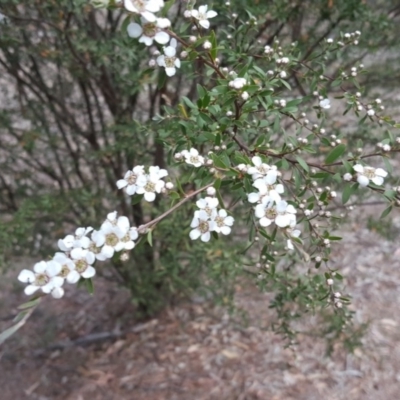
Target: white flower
{"points": [[347, 177], [192, 157], [371, 112], [261, 169], [207, 45], [268, 192], [78, 240], [283, 214], [202, 226], [68, 271], [293, 233], [145, 8], [325, 103], [83, 260], [238, 83], [150, 31], [366, 174], [168, 60], [266, 215], [132, 180], [208, 205], [245, 96], [223, 222], [113, 235], [203, 16], [286, 214], [154, 183], [44, 277]]}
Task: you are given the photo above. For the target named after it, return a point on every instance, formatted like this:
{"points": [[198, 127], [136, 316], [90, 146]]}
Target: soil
{"points": [[92, 347]]}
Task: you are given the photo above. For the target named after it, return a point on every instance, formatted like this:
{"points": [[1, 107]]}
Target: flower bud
{"points": [[211, 191]]}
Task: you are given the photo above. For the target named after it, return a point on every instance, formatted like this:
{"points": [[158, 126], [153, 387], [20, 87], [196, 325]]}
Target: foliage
{"points": [[84, 105]]}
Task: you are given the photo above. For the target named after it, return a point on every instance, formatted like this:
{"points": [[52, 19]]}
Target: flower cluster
{"points": [[366, 174], [191, 157], [209, 219], [137, 181], [78, 254], [270, 208]]}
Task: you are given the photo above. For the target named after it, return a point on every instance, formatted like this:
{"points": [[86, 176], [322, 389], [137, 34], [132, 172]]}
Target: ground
{"points": [[85, 347]]}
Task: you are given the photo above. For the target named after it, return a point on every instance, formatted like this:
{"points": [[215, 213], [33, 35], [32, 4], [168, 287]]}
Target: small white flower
{"points": [[286, 214], [203, 16], [283, 74], [261, 169], [83, 260], [207, 45], [132, 180], [68, 271], [78, 240], [245, 96], [192, 157], [168, 60], [202, 226], [347, 177], [325, 103], [266, 215], [211, 191], [223, 222], [366, 174], [154, 183], [268, 191], [44, 277], [293, 233], [150, 31], [371, 112], [113, 236], [146, 8], [238, 83], [208, 205]]}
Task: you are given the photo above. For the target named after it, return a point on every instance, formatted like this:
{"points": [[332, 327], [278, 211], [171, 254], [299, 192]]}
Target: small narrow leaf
{"points": [[335, 154]]}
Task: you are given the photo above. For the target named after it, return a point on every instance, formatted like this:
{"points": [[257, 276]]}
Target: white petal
{"points": [[205, 23], [259, 211], [57, 292], [149, 16], [161, 37], [194, 234], [253, 197], [161, 61], [381, 172], [378, 180], [163, 23], [107, 251], [40, 267], [195, 14], [26, 276], [256, 161], [281, 206], [178, 65], [53, 268], [30, 289], [282, 220], [203, 9], [173, 43], [229, 221], [148, 41], [205, 237], [131, 190], [89, 273], [265, 222], [363, 180], [149, 196], [358, 168], [77, 253], [170, 71], [211, 14], [123, 223], [57, 281], [170, 51], [225, 230], [73, 277], [222, 213], [134, 30]]}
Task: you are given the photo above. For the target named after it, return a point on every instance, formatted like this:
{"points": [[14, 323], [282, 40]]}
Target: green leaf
{"points": [[150, 237], [302, 163], [335, 154], [348, 191], [386, 212], [21, 318]]}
